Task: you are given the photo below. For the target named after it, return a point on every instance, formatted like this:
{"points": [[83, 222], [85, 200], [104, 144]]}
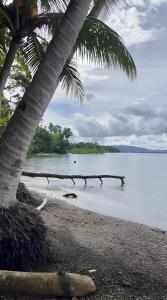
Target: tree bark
{"points": [[46, 284], [21, 128], [7, 66], [95, 12], [98, 9]]}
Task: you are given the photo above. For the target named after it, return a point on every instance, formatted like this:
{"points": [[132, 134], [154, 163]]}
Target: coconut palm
{"points": [[21, 228], [26, 21]]}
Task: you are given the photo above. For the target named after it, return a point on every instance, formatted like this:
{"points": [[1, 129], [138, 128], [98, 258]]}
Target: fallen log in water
{"points": [[45, 284], [72, 177]]}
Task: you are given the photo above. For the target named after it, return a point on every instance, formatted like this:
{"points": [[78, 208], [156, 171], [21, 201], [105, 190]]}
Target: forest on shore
{"points": [[56, 139]]}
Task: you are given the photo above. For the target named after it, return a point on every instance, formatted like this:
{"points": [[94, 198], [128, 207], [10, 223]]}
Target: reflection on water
{"points": [[143, 198]]}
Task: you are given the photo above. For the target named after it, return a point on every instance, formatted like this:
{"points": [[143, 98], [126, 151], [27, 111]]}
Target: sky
{"points": [[118, 110]]}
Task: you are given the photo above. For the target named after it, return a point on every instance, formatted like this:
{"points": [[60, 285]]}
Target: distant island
{"points": [[134, 149]]}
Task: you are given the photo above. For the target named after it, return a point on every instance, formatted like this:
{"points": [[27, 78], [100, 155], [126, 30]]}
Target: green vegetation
{"points": [[23, 25], [55, 139], [5, 115], [86, 148]]}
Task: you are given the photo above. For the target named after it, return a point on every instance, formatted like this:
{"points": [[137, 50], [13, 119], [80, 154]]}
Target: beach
{"points": [[125, 259]]}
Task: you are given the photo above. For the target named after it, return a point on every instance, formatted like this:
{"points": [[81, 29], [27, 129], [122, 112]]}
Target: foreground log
{"points": [[45, 284], [72, 177]]}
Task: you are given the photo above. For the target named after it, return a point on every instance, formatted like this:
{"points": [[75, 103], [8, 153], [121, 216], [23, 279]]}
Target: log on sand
{"points": [[45, 284]]}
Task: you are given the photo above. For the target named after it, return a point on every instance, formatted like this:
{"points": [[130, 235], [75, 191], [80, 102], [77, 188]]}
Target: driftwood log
{"points": [[45, 284], [72, 177]]}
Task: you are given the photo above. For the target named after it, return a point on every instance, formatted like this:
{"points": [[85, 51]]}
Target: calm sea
{"points": [[142, 199]]}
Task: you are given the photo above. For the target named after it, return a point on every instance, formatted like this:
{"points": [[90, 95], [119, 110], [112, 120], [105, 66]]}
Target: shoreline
{"points": [[129, 259], [84, 200]]}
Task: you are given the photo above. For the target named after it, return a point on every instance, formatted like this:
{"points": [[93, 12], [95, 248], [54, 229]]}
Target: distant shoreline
{"points": [[92, 153]]}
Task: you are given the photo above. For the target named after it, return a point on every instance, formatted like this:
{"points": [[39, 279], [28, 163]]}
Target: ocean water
{"points": [[142, 199]]}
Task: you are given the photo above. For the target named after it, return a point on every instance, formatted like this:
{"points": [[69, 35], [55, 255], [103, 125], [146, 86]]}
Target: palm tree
{"points": [[16, 240], [25, 23], [15, 219]]}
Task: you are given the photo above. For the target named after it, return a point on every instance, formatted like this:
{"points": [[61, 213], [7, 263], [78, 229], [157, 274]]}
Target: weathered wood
{"points": [[73, 181], [60, 176], [45, 284], [101, 180], [40, 207]]}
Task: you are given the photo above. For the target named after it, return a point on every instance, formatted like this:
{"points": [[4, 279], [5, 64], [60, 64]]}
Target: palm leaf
{"points": [[70, 80], [53, 22], [52, 5], [20, 76], [33, 51], [4, 43], [99, 44]]}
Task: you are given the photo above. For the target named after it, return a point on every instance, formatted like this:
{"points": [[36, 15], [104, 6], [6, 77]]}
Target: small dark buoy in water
{"points": [[74, 161]]}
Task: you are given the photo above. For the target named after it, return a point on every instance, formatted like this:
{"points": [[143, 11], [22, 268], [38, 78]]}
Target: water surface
{"points": [[142, 199]]}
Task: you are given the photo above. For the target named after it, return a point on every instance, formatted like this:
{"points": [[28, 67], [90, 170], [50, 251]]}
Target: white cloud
{"points": [[135, 120], [94, 77], [122, 112], [153, 93], [154, 3], [140, 99], [129, 22], [146, 141], [90, 126]]}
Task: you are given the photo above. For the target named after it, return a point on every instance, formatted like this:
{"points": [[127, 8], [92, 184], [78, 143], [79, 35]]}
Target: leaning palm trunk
{"points": [[7, 66], [21, 128], [94, 13], [96, 10]]}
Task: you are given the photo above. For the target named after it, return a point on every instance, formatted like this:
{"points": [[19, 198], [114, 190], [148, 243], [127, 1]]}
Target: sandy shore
{"points": [[130, 259]]}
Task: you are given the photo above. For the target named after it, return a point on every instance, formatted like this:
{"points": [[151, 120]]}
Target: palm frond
{"points": [[4, 41], [53, 22], [70, 80], [33, 50], [101, 45], [20, 76], [4, 44], [53, 5]]}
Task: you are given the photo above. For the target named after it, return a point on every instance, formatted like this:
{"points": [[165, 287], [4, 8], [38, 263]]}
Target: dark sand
{"points": [[130, 259]]}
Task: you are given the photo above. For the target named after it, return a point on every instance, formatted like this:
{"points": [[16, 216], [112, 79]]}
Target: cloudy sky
{"points": [[119, 111]]}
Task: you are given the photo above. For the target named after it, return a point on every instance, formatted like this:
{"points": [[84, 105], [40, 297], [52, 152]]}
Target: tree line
{"points": [[55, 139], [86, 148]]}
